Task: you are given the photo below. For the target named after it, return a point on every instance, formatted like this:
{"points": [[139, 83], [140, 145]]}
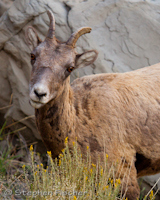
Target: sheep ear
{"points": [[32, 37], [86, 58]]}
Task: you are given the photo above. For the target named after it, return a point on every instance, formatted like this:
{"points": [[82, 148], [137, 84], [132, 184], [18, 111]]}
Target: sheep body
{"points": [[117, 114]]}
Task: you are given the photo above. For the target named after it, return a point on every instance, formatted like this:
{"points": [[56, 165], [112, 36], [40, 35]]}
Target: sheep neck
{"points": [[55, 120]]}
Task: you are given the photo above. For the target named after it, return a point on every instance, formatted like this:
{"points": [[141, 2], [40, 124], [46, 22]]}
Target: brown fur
{"points": [[115, 113]]}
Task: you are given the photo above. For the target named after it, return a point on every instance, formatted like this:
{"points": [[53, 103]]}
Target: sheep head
{"points": [[52, 62]]}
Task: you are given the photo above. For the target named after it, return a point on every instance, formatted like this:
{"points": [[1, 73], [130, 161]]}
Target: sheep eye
{"points": [[70, 69], [33, 57]]}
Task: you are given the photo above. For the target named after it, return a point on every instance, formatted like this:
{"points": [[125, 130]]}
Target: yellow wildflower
{"points": [[74, 198], [87, 147], [66, 140], [118, 181], [86, 178], [38, 166], [107, 186], [101, 172], [59, 162], [151, 195], [31, 148], [36, 173], [93, 165], [62, 150], [23, 166], [41, 165], [112, 181], [107, 156], [73, 143], [49, 153], [91, 170], [60, 155]]}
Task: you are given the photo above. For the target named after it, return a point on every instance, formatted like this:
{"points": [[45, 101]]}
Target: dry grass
{"points": [[68, 177]]}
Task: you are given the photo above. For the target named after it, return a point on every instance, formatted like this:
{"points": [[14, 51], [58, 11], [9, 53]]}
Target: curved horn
{"points": [[51, 31], [74, 37]]}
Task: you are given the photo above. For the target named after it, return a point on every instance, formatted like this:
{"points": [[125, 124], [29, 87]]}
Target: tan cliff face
{"points": [[5, 5], [126, 35]]}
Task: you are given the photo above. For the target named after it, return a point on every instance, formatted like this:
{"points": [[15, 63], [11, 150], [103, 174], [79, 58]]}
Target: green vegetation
{"points": [[68, 177]]}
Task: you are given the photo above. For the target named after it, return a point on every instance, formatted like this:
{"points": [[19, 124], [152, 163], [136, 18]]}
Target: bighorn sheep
{"points": [[117, 113]]}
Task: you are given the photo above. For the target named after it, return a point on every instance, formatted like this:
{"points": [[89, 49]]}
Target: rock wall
{"points": [[5, 5], [125, 32]]}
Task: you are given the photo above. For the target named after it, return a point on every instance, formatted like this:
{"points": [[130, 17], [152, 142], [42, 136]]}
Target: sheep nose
{"points": [[40, 94]]}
